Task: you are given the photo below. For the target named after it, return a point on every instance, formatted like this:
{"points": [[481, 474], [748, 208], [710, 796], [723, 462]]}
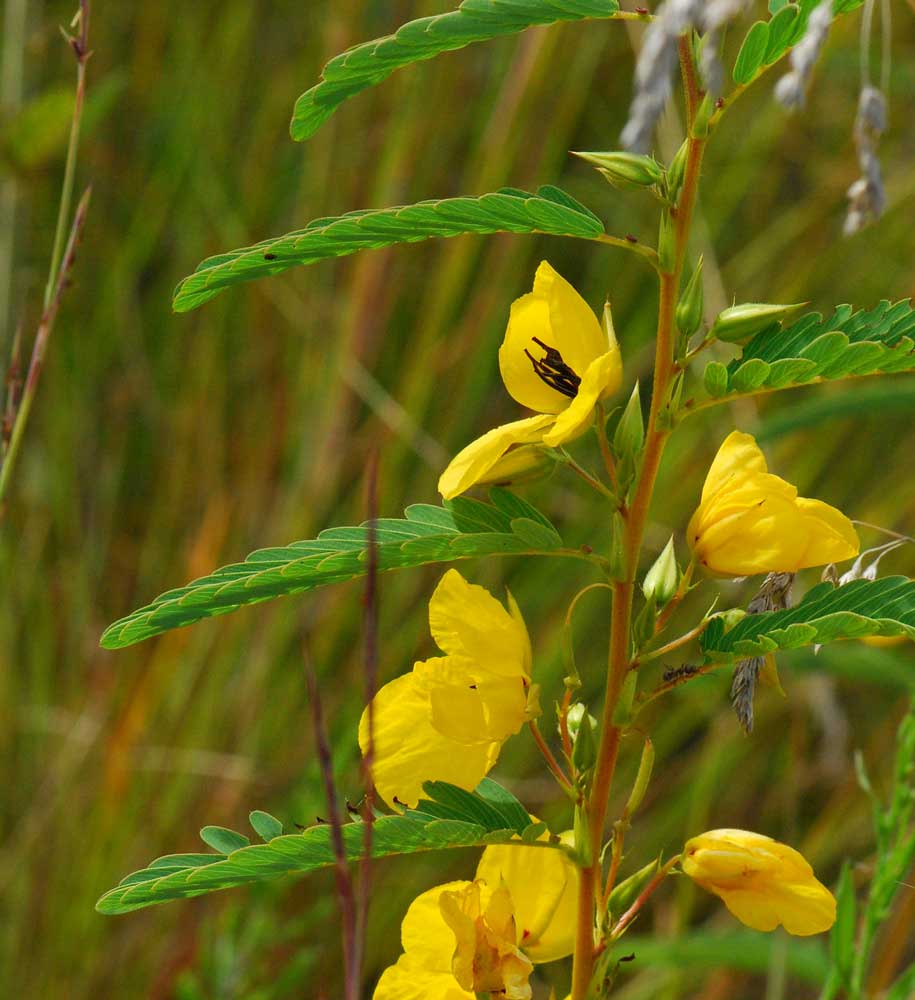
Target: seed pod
{"points": [[626, 170], [737, 324]]}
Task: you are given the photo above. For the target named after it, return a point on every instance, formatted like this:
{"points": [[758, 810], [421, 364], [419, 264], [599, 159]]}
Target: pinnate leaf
{"points": [[814, 349], [372, 62], [826, 614], [462, 529], [448, 818], [549, 211]]}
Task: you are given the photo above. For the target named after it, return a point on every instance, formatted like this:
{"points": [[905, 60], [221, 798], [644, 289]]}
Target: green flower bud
{"points": [[630, 430], [662, 580], [667, 242], [584, 750], [676, 170], [689, 308], [626, 170], [646, 764], [625, 893], [737, 324], [643, 626]]}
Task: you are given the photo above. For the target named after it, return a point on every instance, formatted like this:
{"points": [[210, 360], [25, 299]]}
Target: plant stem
{"points": [[551, 762], [675, 643], [655, 439], [63, 253], [40, 346]]}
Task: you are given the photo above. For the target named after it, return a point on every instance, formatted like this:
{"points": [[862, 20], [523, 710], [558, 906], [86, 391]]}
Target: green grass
{"points": [[162, 446]]}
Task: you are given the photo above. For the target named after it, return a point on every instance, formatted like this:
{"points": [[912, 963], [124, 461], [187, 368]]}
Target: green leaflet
{"points": [[474, 21], [508, 210], [450, 817], [767, 41], [813, 349], [462, 529], [826, 614]]}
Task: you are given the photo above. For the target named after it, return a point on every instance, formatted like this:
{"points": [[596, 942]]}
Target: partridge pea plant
{"points": [[431, 736]]}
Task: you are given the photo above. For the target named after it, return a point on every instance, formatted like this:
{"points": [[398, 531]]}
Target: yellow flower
{"points": [[484, 936], [555, 359], [762, 882], [448, 719], [750, 521]]}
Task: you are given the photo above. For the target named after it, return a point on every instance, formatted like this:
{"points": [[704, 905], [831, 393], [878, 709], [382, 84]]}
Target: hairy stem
{"points": [[623, 591]]}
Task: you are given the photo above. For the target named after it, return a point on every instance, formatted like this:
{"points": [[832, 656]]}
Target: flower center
{"points": [[554, 371]]}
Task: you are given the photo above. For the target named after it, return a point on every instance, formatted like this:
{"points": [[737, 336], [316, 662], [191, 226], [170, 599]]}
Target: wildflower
{"points": [[762, 882], [555, 359], [485, 936], [790, 91], [750, 521], [448, 718]]}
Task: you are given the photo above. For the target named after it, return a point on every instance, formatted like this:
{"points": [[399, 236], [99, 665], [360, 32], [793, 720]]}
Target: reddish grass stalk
{"points": [[63, 256], [344, 879], [370, 679]]}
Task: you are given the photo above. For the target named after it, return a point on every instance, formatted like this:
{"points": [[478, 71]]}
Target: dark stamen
{"points": [[554, 371]]}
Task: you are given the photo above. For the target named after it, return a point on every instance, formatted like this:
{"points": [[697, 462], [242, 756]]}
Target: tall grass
{"points": [[162, 446]]}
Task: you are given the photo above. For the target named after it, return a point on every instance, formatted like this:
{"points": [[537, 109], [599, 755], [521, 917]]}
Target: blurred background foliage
{"points": [[163, 446]]}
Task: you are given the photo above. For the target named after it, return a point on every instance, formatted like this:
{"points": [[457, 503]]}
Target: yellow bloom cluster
{"points": [[449, 717]]}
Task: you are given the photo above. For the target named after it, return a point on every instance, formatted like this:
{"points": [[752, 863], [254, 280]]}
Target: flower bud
{"points": [[625, 892], [574, 717], [644, 624], [626, 170], [643, 776], [689, 308], [676, 170], [662, 580], [630, 430], [737, 324], [584, 752]]}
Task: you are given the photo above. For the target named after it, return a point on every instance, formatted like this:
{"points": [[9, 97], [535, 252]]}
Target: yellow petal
{"points": [[528, 323], [423, 972], [738, 455], [475, 462], [555, 315], [602, 378], [467, 621], [409, 981], [470, 706], [425, 936], [762, 882], [543, 884], [832, 536], [576, 330], [409, 750]]}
